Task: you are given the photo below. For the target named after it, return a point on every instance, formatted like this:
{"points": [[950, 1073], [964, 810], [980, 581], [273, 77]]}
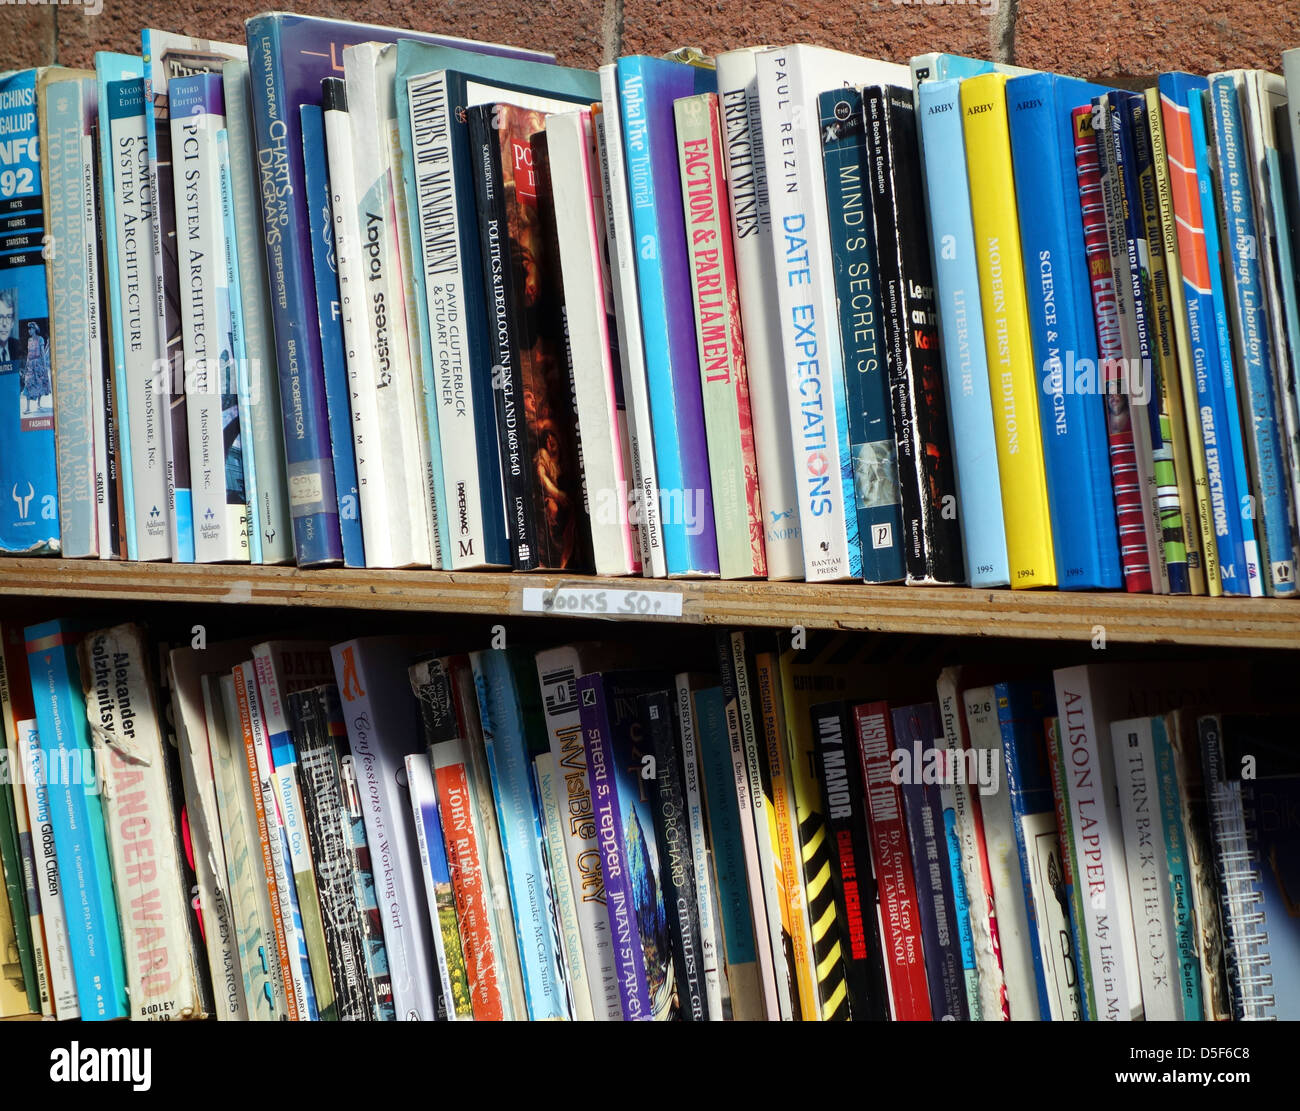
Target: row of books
{"points": [[786, 313], [810, 828]]}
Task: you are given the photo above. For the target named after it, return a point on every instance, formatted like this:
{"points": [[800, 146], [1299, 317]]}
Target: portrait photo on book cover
{"points": [[25, 350]]}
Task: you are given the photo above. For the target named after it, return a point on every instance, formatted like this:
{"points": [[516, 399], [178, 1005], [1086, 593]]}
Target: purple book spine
{"points": [[634, 992]]}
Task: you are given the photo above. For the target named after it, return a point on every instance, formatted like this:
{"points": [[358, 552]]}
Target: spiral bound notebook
{"points": [[1252, 784]]}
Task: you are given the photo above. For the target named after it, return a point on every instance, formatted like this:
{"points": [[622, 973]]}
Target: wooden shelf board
{"points": [[1261, 623]]}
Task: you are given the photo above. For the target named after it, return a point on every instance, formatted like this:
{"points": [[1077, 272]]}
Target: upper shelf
{"points": [[1132, 618]]}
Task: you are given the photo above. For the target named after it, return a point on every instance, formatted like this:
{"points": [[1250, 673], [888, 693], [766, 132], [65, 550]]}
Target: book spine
{"points": [[1184, 956], [558, 671], [454, 1002], [815, 392], [724, 382], [270, 516], [870, 429], [329, 310], [507, 754], [112, 543], [77, 815], [220, 510], [441, 275], [960, 893], [932, 546], [750, 222], [1254, 348], [964, 356], [693, 802], [309, 470], [74, 417], [672, 367], [323, 806], [647, 511], [505, 336], [891, 862], [1180, 381], [566, 908], [1072, 409], [1131, 510], [1012, 380], [371, 479], [858, 991], [1022, 711], [1070, 877], [619, 896]]}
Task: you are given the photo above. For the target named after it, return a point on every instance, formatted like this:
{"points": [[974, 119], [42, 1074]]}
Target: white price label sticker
{"points": [[583, 601]]}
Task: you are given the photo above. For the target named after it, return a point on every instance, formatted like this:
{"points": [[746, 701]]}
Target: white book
{"points": [[372, 488], [419, 781], [566, 908], [300, 978], [265, 991], [445, 293], [1087, 701], [139, 400], [369, 76], [751, 234], [602, 422], [789, 82], [63, 984], [693, 796], [990, 983], [645, 508], [1148, 867], [1009, 894], [558, 670], [211, 368], [95, 346]]}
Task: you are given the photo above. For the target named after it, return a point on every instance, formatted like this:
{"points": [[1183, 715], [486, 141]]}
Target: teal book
{"points": [[77, 816]]}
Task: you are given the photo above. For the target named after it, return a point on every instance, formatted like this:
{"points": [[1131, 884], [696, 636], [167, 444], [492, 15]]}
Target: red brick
{"points": [[28, 32], [567, 27], [1106, 38], [875, 28]]}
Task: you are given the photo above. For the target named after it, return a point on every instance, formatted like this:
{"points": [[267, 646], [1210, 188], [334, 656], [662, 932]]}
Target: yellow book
{"points": [[1013, 381], [1180, 387]]}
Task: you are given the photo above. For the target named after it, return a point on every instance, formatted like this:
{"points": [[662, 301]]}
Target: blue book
{"points": [[289, 56], [647, 89], [333, 357], [29, 482], [878, 499], [77, 816], [1273, 508], [1207, 329], [1181, 889], [956, 280], [1023, 708], [1072, 416], [110, 69], [509, 702]]}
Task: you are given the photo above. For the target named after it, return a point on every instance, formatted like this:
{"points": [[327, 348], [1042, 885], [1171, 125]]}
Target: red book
{"points": [[909, 993]]}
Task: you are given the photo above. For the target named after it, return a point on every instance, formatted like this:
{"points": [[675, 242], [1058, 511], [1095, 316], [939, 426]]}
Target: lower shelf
{"points": [[1122, 618]]}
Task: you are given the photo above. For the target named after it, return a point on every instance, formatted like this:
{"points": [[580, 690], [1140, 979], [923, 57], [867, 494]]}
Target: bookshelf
{"points": [[1049, 616]]}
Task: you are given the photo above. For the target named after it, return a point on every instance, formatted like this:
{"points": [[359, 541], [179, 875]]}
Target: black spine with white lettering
{"points": [[676, 868], [855, 928], [932, 545]]}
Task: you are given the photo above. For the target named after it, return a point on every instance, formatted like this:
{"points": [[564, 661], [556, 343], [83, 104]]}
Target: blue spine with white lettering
{"points": [[648, 87], [510, 766], [877, 498], [956, 279], [1072, 415], [1207, 329], [316, 176], [1273, 508]]}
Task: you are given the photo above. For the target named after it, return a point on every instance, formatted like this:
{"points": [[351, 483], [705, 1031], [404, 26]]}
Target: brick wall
{"points": [[1089, 38]]}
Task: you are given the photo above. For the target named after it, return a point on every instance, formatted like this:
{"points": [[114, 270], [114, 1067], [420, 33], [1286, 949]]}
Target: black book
{"points": [[116, 541], [676, 867], [311, 713], [855, 930], [932, 545]]}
